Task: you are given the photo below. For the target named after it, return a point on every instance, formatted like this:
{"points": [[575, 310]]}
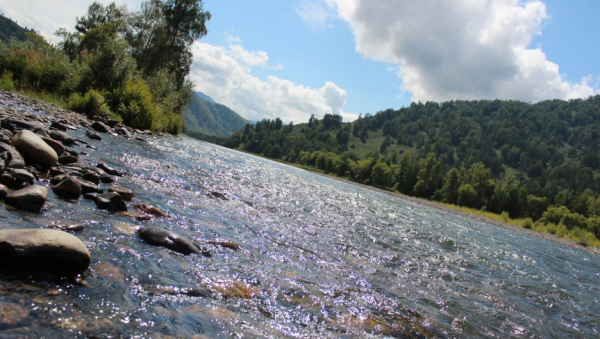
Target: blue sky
{"points": [[290, 59]]}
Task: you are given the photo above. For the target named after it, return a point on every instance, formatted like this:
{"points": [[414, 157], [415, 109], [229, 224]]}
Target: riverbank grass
{"points": [[578, 235]]}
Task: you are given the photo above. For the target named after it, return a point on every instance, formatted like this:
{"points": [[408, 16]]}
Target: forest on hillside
{"points": [[500, 156]]}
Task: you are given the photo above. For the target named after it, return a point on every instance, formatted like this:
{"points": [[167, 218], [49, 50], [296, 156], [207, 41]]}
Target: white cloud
{"points": [[460, 49], [224, 74], [315, 14]]}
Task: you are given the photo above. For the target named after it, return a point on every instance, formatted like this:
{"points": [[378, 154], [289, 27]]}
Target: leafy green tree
{"points": [[451, 186]]}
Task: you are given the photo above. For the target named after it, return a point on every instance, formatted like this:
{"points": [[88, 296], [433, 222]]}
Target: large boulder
{"points": [[56, 145], [160, 237], [47, 250], [34, 149], [31, 198], [100, 127]]}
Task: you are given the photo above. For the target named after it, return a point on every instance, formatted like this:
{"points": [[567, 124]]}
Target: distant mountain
{"points": [[206, 97], [203, 116], [9, 28]]}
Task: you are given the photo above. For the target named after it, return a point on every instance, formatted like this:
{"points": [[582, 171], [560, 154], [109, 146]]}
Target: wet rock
{"points": [[100, 127], [5, 136], [92, 135], [218, 195], [91, 196], [91, 177], [160, 237], [67, 226], [58, 125], [224, 243], [125, 193], [109, 170], [141, 216], [22, 175], [8, 180], [107, 179], [69, 188], [11, 315], [15, 125], [123, 131], [11, 157], [31, 198], [62, 137], [89, 187], [67, 159], [107, 270], [111, 201], [56, 171], [113, 122], [150, 210], [33, 148], [56, 145], [58, 178], [3, 191], [47, 250]]}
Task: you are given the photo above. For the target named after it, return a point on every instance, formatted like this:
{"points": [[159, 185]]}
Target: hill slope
{"points": [[210, 118], [550, 149], [9, 28]]}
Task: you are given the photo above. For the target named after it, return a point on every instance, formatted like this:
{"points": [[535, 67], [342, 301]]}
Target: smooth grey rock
{"points": [[109, 170], [100, 127], [34, 149], [106, 179], [16, 160], [89, 187], [15, 125], [125, 193], [22, 175], [66, 159], [160, 237], [43, 249], [91, 177], [62, 137], [68, 188], [31, 198], [58, 178], [123, 131], [113, 122], [56, 145], [92, 135], [111, 201]]}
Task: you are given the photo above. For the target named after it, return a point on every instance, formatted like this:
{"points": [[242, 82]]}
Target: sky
{"points": [[291, 59]]}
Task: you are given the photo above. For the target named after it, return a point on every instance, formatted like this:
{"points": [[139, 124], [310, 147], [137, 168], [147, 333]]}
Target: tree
{"points": [[451, 186]]}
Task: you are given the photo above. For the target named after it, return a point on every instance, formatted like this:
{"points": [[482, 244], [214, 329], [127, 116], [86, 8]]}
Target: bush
{"points": [[554, 214], [92, 103], [7, 83], [133, 101], [504, 216], [574, 220], [527, 223], [551, 228]]}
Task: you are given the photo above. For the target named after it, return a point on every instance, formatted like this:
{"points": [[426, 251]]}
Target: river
{"points": [[317, 258]]}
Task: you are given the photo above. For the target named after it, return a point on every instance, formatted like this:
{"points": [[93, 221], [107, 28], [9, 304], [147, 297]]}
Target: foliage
{"points": [[6, 82], [140, 66]]}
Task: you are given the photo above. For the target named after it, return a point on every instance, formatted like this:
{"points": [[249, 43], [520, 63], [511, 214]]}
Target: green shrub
{"points": [[92, 103], [554, 214], [527, 223], [551, 228], [133, 101], [504, 216], [7, 83], [561, 231], [574, 220]]}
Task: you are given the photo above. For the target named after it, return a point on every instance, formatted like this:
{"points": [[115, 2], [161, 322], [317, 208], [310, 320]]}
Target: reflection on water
{"points": [[317, 258]]}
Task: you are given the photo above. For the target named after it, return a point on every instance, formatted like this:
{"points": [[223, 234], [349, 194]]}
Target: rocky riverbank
{"points": [[37, 165]]}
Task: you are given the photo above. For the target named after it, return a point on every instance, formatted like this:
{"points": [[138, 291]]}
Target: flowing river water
{"points": [[317, 258]]}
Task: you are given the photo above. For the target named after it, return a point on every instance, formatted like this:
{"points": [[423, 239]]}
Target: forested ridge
{"points": [[204, 116], [501, 156]]}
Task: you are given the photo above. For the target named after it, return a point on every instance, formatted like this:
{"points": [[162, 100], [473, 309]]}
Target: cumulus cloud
{"points": [[460, 49], [224, 73]]}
